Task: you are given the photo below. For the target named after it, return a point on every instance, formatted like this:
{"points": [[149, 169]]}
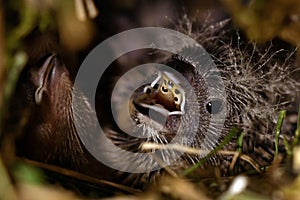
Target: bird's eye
{"points": [[214, 106]]}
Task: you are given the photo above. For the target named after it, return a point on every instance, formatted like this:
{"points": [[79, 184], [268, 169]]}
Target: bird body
{"points": [[256, 86]]}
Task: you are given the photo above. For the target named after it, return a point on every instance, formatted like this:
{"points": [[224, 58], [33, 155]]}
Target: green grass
{"points": [[234, 132]]}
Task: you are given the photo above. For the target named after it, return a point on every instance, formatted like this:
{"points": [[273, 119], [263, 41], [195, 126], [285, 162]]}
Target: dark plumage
{"points": [[253, 78], [46, 88], [256, 85]]}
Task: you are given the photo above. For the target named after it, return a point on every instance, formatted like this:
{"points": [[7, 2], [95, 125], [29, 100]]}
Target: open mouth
{"points": [[164, 97]]}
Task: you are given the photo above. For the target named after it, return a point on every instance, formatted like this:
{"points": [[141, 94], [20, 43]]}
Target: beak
{"points": [[47, 76]]}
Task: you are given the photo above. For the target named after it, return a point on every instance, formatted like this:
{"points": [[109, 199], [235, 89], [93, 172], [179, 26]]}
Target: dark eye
{"points": [[215, 106]]}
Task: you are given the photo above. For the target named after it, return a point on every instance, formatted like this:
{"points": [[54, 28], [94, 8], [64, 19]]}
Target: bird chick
{"points": [[252, 78], [254, 89], [50, 135]]}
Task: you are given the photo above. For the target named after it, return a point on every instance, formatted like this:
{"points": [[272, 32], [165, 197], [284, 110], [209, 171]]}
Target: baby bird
{"points": [[168, 109]]}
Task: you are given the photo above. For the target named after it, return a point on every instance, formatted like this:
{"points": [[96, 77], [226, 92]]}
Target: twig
{"points": [[78, 175], [189, 150]]}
